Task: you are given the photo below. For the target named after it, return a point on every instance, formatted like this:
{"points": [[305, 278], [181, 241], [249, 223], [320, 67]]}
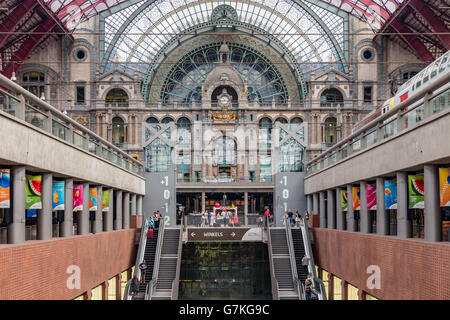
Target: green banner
{"points": [[416, 192], [344, 200], [105, 200], [33, 198]]}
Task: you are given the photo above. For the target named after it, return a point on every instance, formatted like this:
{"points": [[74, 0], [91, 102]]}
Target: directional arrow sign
{"points": [[193, 234], [233, 234]]}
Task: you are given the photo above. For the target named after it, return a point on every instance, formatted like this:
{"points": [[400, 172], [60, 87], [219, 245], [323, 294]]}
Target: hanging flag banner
{"points": [[33, 194], [444, 187], [344, 200], [92, 199], [5, 188], [77, 197], [58, 195], [105, 200], [416, 192], [356, 198], [390, 194], [371, 197]]}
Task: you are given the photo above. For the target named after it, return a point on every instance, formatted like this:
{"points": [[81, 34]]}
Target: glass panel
{"points": [[371, 138], [356, 146], [9, 104], [390, 129], [59, 130], [415, 116], [105, 153], [79, 140], [337, 288], [35, 117], [440, 102], [352, 292], [112, 289]]}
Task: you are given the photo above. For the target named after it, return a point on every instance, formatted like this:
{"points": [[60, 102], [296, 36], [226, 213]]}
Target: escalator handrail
{"points": [[159, 242], [320, 291], [272, 270], [290, 244], [176, 281]]}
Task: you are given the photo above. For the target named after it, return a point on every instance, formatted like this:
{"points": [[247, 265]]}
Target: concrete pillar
{"points": [[133, 204], [331, 209], [403, 224], [351, 225], [126, 210], [364, 213], [339, 213], [432, 209], [16, 229], [108, 215], [323, 210], [44, 219], [83, 219], [203, 201], [382, 216], [309, 203], [315, 203], [66, 229], [98, 222], [139, 206], [246, 208], [118, 223]]}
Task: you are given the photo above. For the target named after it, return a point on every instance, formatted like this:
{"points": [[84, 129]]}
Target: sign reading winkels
{"points": [[224, 234]]}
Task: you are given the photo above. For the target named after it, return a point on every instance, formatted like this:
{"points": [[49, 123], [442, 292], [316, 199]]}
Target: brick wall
{"points": [[410, 268], [37, 269]]}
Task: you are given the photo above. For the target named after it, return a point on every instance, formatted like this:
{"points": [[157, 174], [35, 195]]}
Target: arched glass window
{"points": [[167, 120], [265, 133], [152, 120], [225, 151], [184, 131], [281, 120], [117, 98], [157, 156], [296, 120], [331, 98], [34, 82], [118, 132], [330, 131], [291, 156]]}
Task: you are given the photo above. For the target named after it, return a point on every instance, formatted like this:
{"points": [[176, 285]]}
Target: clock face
{"points": [[224, 100]]}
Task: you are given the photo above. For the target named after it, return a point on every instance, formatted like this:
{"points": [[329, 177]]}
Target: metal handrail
{"points": [[290, 243], [374, 123], [159, 244], [320, 292], [273, 280], [176, 281], [7, 83]]}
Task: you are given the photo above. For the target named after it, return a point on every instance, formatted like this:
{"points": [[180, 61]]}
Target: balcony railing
{"points": [[22, 104], [215, 180]]}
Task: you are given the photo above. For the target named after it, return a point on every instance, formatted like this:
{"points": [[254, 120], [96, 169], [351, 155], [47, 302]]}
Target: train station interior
{"points": [[224, 150]]}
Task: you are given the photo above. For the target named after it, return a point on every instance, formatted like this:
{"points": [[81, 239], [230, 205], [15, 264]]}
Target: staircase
{"points": [[281, 264], [299, 250], [168, 262]]}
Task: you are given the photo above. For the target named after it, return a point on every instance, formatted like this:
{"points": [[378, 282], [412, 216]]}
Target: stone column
{"points": [[382, 217], [203, 201], [339, 213], [16, 229], [331, 204], [139, 206], [309, 204], [133, 204], [350, 215], [316, 203], [246, 208], [98, 223], [44, 220], [323, 210], [126, 210], [83, 221], [432, 209], [403, 224], [118, 223], [364, 213], [66, 229], [108, 215]]}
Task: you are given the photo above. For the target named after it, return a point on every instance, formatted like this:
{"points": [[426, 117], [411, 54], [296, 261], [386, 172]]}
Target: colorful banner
{"points": [[5, 188], [77, 197], [58, 195], [371, 197], [416, 192], [344, 200], [105, 200], [390, 194], [356, 198], [92, 199], [33, 198], [444, 187]]}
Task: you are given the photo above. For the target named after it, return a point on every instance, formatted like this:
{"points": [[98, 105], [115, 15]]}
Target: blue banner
{"points": [[390, 194], [58, 195]]}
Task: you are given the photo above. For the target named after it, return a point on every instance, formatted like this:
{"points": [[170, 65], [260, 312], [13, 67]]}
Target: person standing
{"points": [[297, 220], [143, 268], [291, 217], [308, 289]]}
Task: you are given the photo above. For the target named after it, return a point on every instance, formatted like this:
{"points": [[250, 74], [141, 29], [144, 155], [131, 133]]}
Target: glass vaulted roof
{"points": [[309, 32]]}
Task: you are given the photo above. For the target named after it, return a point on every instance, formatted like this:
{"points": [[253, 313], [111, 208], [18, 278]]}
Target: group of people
{"points": [[152, 223], [225, 218], [295, 219]]}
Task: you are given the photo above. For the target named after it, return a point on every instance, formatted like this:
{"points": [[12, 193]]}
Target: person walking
{"points": [[291, 217], [267, 216], [297, 220]]}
